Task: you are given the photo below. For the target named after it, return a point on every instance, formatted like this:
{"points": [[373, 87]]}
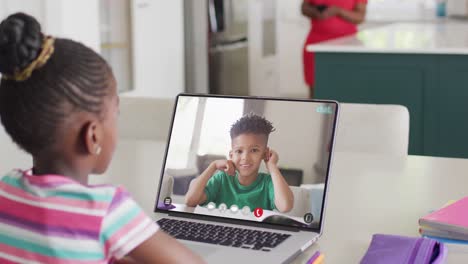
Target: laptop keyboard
{"points": [[222, 235]]}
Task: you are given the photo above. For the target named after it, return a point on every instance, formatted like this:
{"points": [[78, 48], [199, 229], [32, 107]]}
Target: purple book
{"points": [[386, 249]]}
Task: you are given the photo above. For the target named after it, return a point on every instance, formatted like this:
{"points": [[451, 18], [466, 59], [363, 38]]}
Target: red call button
{"points": [[258, 212]]}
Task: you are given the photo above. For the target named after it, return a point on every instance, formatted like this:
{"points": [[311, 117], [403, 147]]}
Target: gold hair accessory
{"points": [[46, 52]]}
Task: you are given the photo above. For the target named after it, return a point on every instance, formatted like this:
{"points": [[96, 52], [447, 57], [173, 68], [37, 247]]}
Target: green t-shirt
{"points": [[222, 188]]}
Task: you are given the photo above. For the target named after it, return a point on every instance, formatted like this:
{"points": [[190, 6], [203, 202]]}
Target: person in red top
{"points": [[329, 19]]}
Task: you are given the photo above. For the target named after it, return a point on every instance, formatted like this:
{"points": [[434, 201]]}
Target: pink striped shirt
{"points": [[54, 219]]}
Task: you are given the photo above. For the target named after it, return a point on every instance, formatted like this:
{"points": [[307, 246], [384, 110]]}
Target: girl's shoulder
{"points": [[13, 176], [60, 189], [11, 173]]}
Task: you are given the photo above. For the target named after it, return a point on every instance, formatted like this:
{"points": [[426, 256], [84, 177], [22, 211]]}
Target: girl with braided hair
{"points": [[59, 103]]}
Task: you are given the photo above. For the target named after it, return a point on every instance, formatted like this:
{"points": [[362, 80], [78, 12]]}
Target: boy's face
{"points": [[247, 153]]}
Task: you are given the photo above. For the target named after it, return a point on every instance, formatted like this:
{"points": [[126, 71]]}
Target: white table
{"points": [[377, 194], [367, 194]]}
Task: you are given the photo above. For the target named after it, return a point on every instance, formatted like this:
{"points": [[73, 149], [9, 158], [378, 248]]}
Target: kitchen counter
{"points": [[421, 66], [415, 38]]}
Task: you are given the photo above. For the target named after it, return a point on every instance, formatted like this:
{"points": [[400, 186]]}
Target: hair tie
{"points": [[46, 52]]}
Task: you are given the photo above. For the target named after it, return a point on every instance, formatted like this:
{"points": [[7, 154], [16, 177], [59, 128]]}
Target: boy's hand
{"points": [[271, 158], [226, 166]]}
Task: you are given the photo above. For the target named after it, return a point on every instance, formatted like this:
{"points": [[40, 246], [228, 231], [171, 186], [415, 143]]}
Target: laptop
{"points": [[246, 213]]}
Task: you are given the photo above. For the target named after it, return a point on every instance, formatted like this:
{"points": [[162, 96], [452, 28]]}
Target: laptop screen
{"points": [[254, 159]]}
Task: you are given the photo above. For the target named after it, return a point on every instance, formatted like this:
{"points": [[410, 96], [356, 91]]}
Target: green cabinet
{"points": [[433, 87]]}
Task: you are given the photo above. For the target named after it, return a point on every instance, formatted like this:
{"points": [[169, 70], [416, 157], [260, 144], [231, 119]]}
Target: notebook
{"points": [[451, 218], [432, 232]]}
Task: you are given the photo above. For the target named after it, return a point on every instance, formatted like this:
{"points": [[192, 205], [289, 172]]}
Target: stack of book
{"points": [[448, 224]]}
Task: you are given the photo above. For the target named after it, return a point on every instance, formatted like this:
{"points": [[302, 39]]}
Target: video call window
{"points": [[249, 159]]}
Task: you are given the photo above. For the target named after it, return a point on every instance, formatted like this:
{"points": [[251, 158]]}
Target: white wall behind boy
{"points": [[292, 138]]}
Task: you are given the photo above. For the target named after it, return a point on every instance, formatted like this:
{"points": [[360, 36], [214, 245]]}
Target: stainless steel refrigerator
{"points": [[228, 47]]}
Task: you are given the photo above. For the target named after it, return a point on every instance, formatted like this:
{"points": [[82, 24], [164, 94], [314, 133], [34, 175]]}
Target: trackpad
{"points": [[203, 251]]}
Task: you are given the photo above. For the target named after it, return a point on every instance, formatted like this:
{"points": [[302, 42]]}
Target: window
{"points": [[219, 115], [201, 127], [182, 133]]}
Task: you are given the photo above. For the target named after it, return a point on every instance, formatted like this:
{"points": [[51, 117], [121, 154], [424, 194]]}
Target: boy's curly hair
{"points": [[251, 123]]}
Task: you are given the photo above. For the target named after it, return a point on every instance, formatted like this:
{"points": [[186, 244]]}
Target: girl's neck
{"points": [[58, 167]]}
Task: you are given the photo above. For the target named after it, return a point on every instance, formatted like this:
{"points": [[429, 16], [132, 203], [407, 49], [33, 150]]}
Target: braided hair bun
{"points": [[74, 78], [20, 42]]}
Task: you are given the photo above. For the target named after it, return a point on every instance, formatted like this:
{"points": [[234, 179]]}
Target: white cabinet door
{"points": [[78, 20], [263, 61], [293, 28], [158, 47], [30, 7]]}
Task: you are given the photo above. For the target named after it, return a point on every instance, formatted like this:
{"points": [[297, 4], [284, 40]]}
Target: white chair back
{"points": [[373, 128], [301, 202], [144, 118]]}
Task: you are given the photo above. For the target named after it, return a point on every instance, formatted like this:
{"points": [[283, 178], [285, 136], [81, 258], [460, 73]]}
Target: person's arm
{"points": [[284, 199], [355, 16], [128, 235], [161, 248], [196, 193], [310, 11]]}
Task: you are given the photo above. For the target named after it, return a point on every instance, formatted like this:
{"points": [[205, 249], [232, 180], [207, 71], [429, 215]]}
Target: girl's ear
{"points": [[93, 138], [230, 154]]}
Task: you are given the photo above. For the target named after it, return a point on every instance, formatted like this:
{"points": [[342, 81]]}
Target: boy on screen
{"points": [[237, 181]]}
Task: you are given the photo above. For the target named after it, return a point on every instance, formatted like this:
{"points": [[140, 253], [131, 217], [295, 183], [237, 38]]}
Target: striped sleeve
{"points": [[125, 226]]}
